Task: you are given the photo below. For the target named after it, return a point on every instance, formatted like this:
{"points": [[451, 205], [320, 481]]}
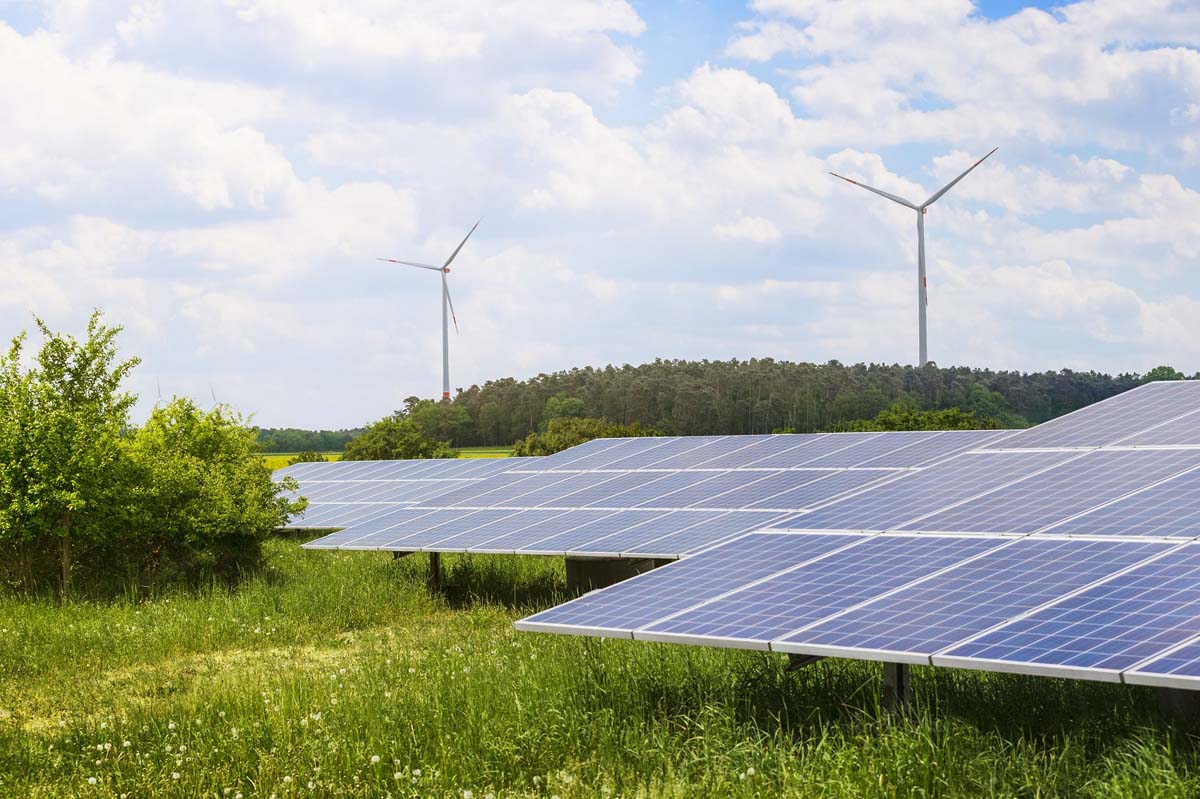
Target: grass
{"points": [[484, 452], [293, 683]]}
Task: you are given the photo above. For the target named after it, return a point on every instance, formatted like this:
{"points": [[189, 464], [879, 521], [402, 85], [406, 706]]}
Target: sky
{"points": [[219, 178]]}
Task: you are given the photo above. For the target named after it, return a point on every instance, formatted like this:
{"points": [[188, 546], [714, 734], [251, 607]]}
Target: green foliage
{"points": [[904, 416], [568, 432], [1163, 373], [442, 420], [291, 439], [323, 661], [307, 456], [563, 407], [396, 437], [201, 498], [83, 495], [73, 411]]}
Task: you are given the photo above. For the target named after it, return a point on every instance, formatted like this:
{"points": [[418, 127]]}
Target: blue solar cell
{"points": [[431, 533], [478, 534], [601, 458], [878, 446], [500, 489], [1113, 419], [331, 541], [934, 447], [890, 504], [633, 603], [663, 449], [658, 490], [564, 459], [592, 531], [761, 448], [1168, 509], [715, 483], [819, 492], [811, 450], [716, 451], [1183, 431], [562, 522], [382, 528], [581, 489], [779, 605], [928, 616], [712, 531], [757, 486], [657, 526], [1181, 667], [1107, 628], [1058, 493]]}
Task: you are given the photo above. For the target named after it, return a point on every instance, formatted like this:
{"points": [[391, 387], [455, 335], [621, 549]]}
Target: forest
{"points": [[677, 397]]}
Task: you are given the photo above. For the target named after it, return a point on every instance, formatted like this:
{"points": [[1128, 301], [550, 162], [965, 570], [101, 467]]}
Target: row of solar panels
{"points": [[641, 497], [1073, 561]]}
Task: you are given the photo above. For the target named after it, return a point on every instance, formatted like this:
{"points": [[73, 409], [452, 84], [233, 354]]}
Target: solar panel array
{"points": [[1069, 549], [639, 497]]}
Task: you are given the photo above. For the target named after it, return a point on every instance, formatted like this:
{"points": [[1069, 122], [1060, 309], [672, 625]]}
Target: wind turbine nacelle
{"points": [[446, 269]]}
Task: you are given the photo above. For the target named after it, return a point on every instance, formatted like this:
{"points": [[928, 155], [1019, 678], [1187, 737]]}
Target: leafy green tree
{"points": [[202, 499], [396, 437], [902, 416], [307, 456], [563, 407], [1163, 373], [565, 433], [443, 420], [76, 413]]}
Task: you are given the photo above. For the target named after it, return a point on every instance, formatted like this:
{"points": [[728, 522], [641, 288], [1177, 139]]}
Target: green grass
{"points": [[325, 661]]}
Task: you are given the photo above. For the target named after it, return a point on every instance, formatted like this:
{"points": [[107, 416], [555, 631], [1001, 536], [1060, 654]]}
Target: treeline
{"points": [[291, 439], [757, 396]]}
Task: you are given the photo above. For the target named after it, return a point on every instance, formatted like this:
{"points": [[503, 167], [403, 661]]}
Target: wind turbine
{"points": [[447, 305], [922, 298]]}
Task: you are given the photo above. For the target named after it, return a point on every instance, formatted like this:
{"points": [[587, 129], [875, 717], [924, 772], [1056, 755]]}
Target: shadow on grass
{"points": [[510, 581]]}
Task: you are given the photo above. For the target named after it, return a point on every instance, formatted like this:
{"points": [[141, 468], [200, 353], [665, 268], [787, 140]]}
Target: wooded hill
{"points": [[757, 396]]}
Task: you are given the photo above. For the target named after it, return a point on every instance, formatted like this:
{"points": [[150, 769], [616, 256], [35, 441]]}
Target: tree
{"points": [[307, 456], [395, 437], [565, 433], [902, 416], [77, 416], [562, 407], [200, 498], [1163, 373]]}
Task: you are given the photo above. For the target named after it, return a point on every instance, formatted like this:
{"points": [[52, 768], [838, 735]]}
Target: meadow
{"points": [[339, 674]]}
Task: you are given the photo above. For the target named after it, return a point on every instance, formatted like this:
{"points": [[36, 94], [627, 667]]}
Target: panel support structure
{"points": [[897, 686], [435, 571], [588, 574], [1179, 705]]}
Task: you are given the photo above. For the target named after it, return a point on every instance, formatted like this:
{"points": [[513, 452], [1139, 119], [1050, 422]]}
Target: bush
{"points": [[396, 437], [902, 416], [307, 456], [566, 432]]}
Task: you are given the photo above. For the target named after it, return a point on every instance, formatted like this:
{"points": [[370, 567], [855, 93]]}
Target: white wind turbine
{"points": [[922, 299], [447, 306]]}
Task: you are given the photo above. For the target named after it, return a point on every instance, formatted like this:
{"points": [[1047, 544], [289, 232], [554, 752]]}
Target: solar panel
{"points": [[621, 608], [761, 448], [915, 494], [1112, 420], [1059, 492], [1169, 509], [1182, 431], [911, 624], [929, 448], [1180, 668], [753, 616], [707, 533], [1101, 631]]}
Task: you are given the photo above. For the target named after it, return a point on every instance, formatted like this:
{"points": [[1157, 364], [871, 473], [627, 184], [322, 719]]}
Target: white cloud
{"points": [[749, 228]]}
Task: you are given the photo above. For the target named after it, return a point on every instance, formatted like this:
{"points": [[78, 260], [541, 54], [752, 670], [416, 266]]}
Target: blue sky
{"points": [[219, 177]]}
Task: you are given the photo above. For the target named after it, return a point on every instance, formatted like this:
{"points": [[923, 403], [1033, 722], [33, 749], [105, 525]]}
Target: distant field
{"points": [[485, 452], [277, 460]]}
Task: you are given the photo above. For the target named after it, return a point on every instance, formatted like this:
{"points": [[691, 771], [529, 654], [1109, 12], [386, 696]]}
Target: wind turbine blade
{"points": [[411, 263], [938, 194], [454, 318], [880, 192], [454, 254]]}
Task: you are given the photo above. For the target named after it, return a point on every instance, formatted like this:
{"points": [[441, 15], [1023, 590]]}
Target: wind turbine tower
{"points": [[922, 298], [447, 305]]}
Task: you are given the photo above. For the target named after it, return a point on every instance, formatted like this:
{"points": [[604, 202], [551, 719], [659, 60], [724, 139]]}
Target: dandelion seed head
{"points": [[91, 780], [374, 759]]}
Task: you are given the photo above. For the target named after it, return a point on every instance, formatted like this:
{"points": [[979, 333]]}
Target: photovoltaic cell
{"points": [[539, 531], [891, 504], [932, 447], [788, 601], [724, 447], [593, 531], [656, 527], [478, 534], [882, 444], [601, 459], [664, 449], [1113, 419], [935, 613], [1184, 431], [763, 447], [1055, 494], [722, 527], [819, 492], [1180, 668], [1169, 509], [1107, 628], [621, 608], [811, 450]]}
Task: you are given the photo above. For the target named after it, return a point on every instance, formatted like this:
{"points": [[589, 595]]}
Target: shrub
{"points": [[307, 456], [566, 432], [396, 437]]}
